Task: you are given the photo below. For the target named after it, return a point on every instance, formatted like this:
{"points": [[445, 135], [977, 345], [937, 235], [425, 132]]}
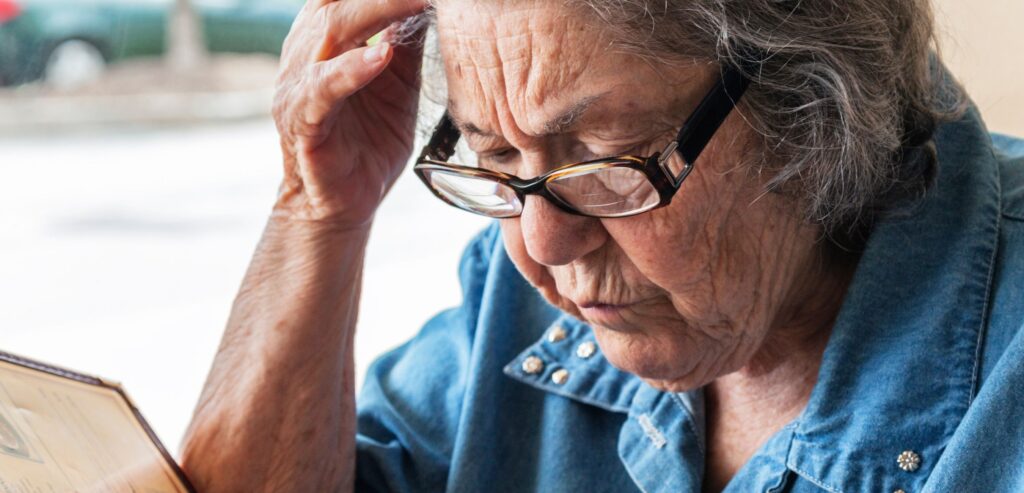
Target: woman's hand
{"points": [[346, 112]]}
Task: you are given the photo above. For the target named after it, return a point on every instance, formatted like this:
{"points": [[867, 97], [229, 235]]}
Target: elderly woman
{"points": [[750, 245]]}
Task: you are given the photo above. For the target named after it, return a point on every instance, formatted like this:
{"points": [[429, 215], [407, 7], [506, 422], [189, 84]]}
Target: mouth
{"points": [[608, 315]]}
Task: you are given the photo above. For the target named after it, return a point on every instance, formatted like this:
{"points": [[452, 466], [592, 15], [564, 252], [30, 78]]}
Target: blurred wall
{"points": [[983, 44]]}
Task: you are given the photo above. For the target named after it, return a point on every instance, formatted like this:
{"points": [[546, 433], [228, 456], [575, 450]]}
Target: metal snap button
{"points": [[533, 365], [556, 334], [560, 376], [586, 349], [909, 461]]}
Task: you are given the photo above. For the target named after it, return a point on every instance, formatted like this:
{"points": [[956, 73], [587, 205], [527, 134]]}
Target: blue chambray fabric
{"points": [[927, 355]]}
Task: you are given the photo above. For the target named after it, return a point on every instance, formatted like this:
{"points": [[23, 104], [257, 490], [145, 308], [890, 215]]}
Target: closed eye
{"points": [[504, 159], [636, 149], [501, 156]]}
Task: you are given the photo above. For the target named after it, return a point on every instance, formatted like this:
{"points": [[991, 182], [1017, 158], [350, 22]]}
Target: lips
{"points": [[607, 315]]}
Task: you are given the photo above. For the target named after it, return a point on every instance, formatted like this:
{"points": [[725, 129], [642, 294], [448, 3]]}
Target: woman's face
{"points": [[678, 296]]}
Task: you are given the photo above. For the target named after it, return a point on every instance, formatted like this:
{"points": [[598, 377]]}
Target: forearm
{"points": [[277, 412]]}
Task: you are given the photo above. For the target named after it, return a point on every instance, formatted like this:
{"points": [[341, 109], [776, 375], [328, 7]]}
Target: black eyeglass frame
{"points": [[697, 130]]}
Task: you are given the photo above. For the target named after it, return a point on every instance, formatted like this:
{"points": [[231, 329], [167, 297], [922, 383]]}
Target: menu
{"points": [[62, 431]]}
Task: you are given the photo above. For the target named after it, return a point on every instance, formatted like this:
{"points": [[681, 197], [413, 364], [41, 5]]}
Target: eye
{"points": [[500, 156], [598, 152]]}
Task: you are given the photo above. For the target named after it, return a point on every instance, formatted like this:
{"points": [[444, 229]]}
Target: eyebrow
{"points": [[559, 124]]}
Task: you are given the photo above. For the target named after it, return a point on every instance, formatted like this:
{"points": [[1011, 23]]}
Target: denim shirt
{"points": [[919, 388]]}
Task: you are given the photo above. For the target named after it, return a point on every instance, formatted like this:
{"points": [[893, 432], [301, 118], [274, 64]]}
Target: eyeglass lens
{"points": [[606, 192], [476, 194], [602, 192]]}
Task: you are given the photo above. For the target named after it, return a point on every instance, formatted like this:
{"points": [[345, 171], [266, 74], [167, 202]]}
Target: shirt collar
{"points": [[918, 341], [566, 361]]}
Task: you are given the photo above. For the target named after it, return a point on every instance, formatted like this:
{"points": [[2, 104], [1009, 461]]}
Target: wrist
{"points": [[308, 269], [295, 207], [304, 223]]}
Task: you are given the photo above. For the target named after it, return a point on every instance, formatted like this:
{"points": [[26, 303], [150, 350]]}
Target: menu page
{"points": [[59, 434]]}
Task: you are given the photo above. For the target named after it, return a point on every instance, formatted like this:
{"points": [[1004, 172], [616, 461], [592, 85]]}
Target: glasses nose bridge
{"points": [[537, 187], [540, 160], [537, 165], [555, 215]]}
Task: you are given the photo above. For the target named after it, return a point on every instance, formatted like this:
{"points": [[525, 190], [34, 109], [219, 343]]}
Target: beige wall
{"points": [[983, 43]]}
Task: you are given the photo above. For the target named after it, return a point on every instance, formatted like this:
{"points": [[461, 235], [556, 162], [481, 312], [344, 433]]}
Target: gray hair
{"points": [[845, 94]]}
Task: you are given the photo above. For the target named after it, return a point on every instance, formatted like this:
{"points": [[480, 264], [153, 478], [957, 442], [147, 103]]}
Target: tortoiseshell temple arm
{"points": [[442, 142], [709, 115]]}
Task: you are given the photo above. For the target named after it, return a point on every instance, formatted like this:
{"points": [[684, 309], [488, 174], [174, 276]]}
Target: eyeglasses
{"points": [[618, 186]]}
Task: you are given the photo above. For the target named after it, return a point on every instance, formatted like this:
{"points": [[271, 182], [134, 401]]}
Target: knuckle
{"points": [[279, 108], [299, 31], [303, 102], [294, 33], [312, 110], [323, 19], [295, 116], [332, 86], [284, 121], [318, 78], [283, 95], [334, 21]]}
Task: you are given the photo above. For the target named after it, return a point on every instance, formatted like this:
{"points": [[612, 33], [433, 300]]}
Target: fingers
{"points": [[326, 61], [349, 23], [408, 52], [336, 79], [315, 4], [363, 20]]}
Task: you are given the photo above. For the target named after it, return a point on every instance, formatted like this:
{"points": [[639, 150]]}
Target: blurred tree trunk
{"points": [[186, 50]]}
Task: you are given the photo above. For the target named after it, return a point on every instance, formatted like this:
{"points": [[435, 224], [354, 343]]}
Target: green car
{"points": [[39, 38]]}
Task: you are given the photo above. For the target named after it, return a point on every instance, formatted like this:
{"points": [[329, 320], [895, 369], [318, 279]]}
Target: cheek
{"points": [[674, 246], [697, 247], [516, 248], [534, 273]]}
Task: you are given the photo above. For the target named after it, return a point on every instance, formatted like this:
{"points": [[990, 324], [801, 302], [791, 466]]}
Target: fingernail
{"points": [[376, 52]]}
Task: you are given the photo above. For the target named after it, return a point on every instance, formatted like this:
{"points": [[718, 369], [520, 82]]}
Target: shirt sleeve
{"points": [[409, 407], [1010, 146]]}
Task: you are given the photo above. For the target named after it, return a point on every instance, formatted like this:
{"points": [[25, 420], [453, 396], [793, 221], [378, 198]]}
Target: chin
{"points": [[660, 365]]}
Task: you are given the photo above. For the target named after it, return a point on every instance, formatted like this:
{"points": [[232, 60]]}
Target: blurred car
{"points": [[48, 39]]}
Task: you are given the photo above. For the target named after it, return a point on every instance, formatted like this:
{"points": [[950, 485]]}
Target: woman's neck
{"points": [[745, 408]]}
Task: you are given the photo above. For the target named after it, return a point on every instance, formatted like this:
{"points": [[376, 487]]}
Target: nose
{"points": [[555, 237]]}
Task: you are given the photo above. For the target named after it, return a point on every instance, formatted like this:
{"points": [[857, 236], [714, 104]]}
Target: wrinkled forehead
{"points": [[519, 57]]}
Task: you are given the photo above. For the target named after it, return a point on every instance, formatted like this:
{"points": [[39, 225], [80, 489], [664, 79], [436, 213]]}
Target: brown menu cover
{"points": [[62, 431]]}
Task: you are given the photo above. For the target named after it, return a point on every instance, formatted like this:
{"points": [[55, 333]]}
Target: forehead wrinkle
{"points": [[476, 64], [482, 56], [556, 67], [518, 72], [515, 53], [561, 123]]}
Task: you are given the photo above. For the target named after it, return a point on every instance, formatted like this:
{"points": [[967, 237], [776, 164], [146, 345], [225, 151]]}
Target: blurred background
{"points": [[139, 163]]}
